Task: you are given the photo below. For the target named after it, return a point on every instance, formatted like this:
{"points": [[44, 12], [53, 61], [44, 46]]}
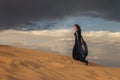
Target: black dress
{"points": [[79, 53]]}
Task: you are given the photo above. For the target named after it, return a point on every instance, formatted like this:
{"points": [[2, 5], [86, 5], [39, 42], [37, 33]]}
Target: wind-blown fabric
{"points": [[80, 49]]}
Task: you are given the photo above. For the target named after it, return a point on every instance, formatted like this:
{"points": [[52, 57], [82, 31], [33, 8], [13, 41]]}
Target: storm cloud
{"points": [[17, 12]]}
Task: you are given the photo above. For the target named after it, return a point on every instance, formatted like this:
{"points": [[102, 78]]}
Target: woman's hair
{"points": [[78, 27]]}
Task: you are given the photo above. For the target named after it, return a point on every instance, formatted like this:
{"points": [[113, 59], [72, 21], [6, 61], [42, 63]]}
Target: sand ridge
{"points": [[27, 64]]}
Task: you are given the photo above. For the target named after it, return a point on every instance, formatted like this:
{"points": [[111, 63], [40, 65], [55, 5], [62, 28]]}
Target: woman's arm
{"points": [[78, 35]]}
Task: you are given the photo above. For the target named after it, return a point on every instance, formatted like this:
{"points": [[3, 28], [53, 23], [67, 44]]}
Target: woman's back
{"points": [[77, 35]]}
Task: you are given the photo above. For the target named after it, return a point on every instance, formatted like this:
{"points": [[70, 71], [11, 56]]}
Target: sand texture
{"points": [[27, 64]]}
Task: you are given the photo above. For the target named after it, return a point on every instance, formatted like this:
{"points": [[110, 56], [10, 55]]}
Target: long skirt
{"points": [[77, 52]]}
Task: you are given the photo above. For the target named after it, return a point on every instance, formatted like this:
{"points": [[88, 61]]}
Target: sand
{"points": [[26, 64]]}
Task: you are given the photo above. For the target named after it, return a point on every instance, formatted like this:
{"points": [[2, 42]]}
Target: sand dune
{"points": [[26, 64]]}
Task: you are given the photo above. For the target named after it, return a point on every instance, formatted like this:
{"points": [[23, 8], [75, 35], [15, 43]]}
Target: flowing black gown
{"points": [[80, 48]]}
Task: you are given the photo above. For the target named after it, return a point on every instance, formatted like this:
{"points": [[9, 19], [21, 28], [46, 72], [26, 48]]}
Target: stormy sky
{"points": [[14, 13]]}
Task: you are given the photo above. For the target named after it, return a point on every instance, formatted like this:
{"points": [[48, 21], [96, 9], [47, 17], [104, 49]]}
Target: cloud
{"points": [[62, 41], [17, 12], [47, 40]]}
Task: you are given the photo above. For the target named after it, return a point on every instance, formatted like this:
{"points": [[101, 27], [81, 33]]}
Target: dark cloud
{"points": [[16, 12], [32, 26]]}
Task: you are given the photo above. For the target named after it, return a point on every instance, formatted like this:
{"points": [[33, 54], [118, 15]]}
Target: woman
{"points": [[80, 49]]}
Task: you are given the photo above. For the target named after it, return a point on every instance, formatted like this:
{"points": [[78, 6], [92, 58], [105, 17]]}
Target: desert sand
{"points": [[27, 64]]}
